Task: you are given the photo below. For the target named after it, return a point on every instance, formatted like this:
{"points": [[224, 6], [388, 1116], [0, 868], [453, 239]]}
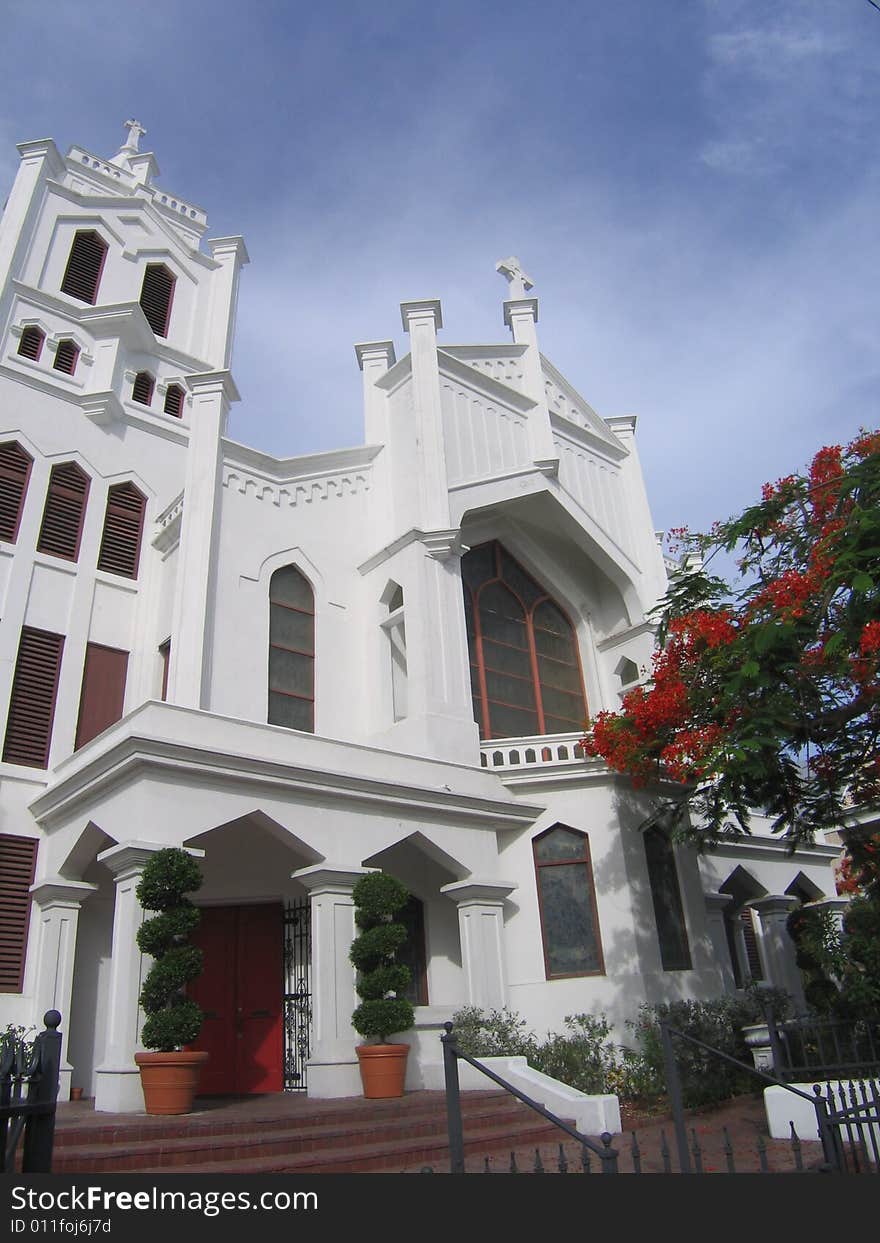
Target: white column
{"points": [[716, 904], [521, 317], [189, 670], [422, 320], [375, 358], [333, 1066], [40, 161], [58, 901], [481, 927], [835, 906], [778, 947], [638, 509], [117, 1079], [231, 255]]}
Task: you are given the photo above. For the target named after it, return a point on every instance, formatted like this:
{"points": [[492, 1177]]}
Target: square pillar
{"points": [[778, 948], [333, 1065], [58, 902], [716, 905], [481, 927]]}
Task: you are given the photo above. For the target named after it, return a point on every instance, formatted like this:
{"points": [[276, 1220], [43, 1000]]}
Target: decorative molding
{"points": [[167, 526], [302, 491], [422, 308], [439, 545], [103, 409], [620, 637]]}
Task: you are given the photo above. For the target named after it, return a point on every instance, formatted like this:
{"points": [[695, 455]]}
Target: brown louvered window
{"points": [[142, 389], [82, 275], [65, 511], [15, 471], [34, 691], [66, 356], [103, 691], [174, 400], [31, 343], [123, 524], [156, 295], [750, 941], [18, 862]]}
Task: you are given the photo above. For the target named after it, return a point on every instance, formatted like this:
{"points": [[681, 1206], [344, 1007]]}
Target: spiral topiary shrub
{"points": [[377, 899], [173, 1020]]}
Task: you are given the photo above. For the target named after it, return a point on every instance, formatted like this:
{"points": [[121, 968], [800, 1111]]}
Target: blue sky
{"points": [[693, 186]]}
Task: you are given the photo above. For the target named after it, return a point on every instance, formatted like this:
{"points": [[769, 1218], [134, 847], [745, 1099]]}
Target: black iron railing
{"points": [[28, 1095], [808, 1047]]}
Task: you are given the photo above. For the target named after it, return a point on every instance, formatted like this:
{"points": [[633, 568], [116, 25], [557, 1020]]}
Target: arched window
{"points": [[82, 276], [156, 294], [394, 626], [675, 954], [120, 550], [66, 356], [525, 669], [291, 650], [31, 343], [567, 901], [142, 389], [174, 396], [65, 511], [15, 471]]}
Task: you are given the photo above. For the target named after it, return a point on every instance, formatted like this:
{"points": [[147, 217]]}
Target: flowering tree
{"points": [[765, 694]]}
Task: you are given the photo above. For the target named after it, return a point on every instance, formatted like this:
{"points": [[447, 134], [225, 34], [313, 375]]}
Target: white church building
{"points": [[307, 667]]}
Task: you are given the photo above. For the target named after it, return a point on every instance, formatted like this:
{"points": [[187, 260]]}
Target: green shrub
{"points": [[173, 1019], [377, 899]]}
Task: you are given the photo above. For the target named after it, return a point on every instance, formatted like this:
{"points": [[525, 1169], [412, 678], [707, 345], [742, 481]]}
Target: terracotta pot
{"points": [[76, 1094], [170, 1080], [383, 1069]]}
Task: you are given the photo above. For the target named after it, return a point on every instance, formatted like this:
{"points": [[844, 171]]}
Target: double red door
{"points": [[240, 991]]}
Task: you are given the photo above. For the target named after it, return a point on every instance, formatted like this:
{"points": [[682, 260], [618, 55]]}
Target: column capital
{"points": [[518, 307], [835, 905], [622, 424], [421, 309], [474, 891], [210, 382], [57, 891], [774, 904], [220, 247], [375, 351], [330, 877], [129, 857], [717, 901]]}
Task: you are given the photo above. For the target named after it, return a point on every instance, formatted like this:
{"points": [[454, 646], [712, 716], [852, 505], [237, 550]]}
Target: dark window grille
{"points": [[291, 650], [297, 982], [18, 860], [63, 517], [174, 401], [123, 525], [31, 343], [66, 357], [32, 704], [82, 276], [567, 903], [525, 667], [156, 297], [15, 472], [142, 389]]}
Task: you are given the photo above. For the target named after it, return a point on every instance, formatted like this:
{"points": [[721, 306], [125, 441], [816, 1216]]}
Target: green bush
{"points": [[173, 1019], [377, 899]]}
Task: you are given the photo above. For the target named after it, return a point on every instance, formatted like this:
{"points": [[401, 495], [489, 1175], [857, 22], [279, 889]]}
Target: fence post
{"points": [[39, 1134], [830, 1135], [776, 1052], [453, 1102], [673, 1086]]}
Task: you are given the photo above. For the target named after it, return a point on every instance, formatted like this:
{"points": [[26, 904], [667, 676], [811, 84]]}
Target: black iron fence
{"points": [[28, 1095], [809, 1047]]}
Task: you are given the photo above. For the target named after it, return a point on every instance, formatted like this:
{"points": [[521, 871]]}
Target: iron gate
{"points": [[297, 993]]}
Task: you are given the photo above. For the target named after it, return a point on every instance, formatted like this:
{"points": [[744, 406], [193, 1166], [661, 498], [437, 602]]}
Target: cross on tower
{"points": [[512, 269], [135, 129]]}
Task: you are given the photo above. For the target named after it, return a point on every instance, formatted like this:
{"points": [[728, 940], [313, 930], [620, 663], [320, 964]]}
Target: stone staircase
{"points": [[291, 1134]]}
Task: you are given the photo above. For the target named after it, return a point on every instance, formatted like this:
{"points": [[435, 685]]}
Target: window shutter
{"points": [[34, 691], [64, 513], [750, 940], [103, 691], [18, 861], [156, 294], [83, 272], [15, 471], [31, 343], [123, 524], [142, 389], [174, 400], [65, 357]]}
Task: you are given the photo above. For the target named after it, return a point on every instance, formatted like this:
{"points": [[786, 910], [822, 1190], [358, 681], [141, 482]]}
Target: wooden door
{"points": [[240, 991]]}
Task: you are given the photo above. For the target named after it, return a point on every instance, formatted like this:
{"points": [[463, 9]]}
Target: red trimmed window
{"points": [[291, 650], [103, 691], [142, 389], [15, 471], [525, 668], [82, 276], [157, 294], [34, 692], [123, 525], [65, 511], [567, 902], [18, 864], [174, 396], [66, 357], [31, 343]]}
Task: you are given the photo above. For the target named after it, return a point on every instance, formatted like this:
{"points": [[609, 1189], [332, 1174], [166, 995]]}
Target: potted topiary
{"points": [[170, 1075], [381, 980]]}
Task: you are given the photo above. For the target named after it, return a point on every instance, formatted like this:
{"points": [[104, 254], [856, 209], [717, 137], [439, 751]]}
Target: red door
{"points": [[240, 993]]}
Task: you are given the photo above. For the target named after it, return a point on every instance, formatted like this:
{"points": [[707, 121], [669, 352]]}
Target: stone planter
{"points": [[757, 1038]]}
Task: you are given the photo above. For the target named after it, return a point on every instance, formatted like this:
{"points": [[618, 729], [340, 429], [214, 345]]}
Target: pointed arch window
{"points": [[120, 550], [526, 674], [157, 293], [567, 902], [142, 389], [174, 396], [15, 473], [291, 650], [82, 276], [63, 517], [66, 356], [31, 343]]}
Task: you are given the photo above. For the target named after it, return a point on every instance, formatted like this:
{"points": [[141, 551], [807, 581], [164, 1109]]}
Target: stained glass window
{"points": [[567, 901]]}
